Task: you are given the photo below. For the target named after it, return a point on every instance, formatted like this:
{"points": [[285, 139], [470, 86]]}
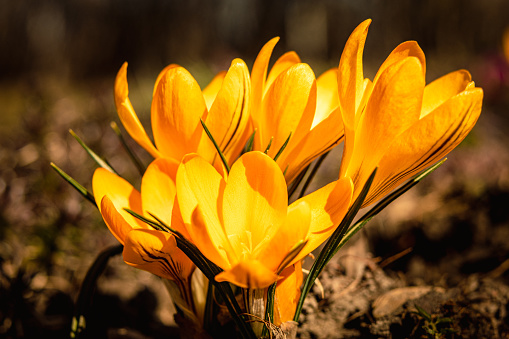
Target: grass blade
{"points": [[100, 161], [82, 190]]}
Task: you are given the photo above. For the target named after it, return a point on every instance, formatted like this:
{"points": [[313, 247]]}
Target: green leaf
{"points": [[312, 174], [88, 287], [136, 161], [293, 187], [250, 142], [221, 155], [268, 146], [100, 161], [82, 190], [269, 309], [330, 247], [282, 147]]}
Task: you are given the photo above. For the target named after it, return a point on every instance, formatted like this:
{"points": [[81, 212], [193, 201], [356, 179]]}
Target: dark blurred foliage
{"points": [[58, 61]]}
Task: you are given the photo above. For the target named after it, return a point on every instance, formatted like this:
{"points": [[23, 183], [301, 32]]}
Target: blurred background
{"points": [[58, 61]]}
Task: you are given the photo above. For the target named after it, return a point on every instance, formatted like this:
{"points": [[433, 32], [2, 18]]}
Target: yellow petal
{"points": [[200, 194], [443, 88], [291, 98], [258, 79], [248, 274], [394, 105], [351, 75], [160, 76], [255, 199], [294, 230], [322, 138], [427, 141], [404, 50], [327, 96], [282, 64], [158, 188], [229, 113], [210, 92], [127, 115], [328, 207], [177, 108], [114, 220], [287, 294], [259, 73], [157, 252], [121, 193]]}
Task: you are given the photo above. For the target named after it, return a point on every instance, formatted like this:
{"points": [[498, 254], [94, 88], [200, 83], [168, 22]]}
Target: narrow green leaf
{"points": [[269, 309], [268, 146], [282, 147], [100, 161], [88, 287], [329, 249], [82, 190], [136, 161], [312, 174], [221, 155], [293, 187], [152, 223], [250, 142], [291, 255]]}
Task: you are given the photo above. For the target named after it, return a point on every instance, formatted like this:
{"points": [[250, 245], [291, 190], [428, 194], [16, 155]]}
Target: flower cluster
{"points": [[225, 157]]}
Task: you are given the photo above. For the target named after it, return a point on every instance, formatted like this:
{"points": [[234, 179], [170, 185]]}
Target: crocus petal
{"points": [[394, 105], [127, 115], [157, 252], [114, 220], [158, 188], [282, 64], [229, 113], [177, 108], [200, 193], [255, 199], [404, 50], [351, 75], [210, 92], [291, 98], [322, 138], [427, 141], [121, 193], [287, 294], [259, 73], [443, 88], [294, 230], [328, 205], [248, 274], [327, 96]]}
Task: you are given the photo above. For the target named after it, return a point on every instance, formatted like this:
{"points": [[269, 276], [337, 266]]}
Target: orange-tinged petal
{"points": [[248, 274], [258, 79], [282, 64], [229, 113], [427, 141], [121, 193], [255, 199], [394, 105], [322, 138], [157, 252], [404, 50], [114, 220], [294, 230], [158, 188], [177, 108], [127, 115], [327, 99], [291, 98], [200, 194], [328, 205], [210, 92], [443, 88], [160, 76], [287, 294], [351, 75]]}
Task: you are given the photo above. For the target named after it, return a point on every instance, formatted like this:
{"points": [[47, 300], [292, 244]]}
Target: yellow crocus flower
{"points": [[242, 221], [397, 122], [291, 100], [178, 104], [144, 247]]}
